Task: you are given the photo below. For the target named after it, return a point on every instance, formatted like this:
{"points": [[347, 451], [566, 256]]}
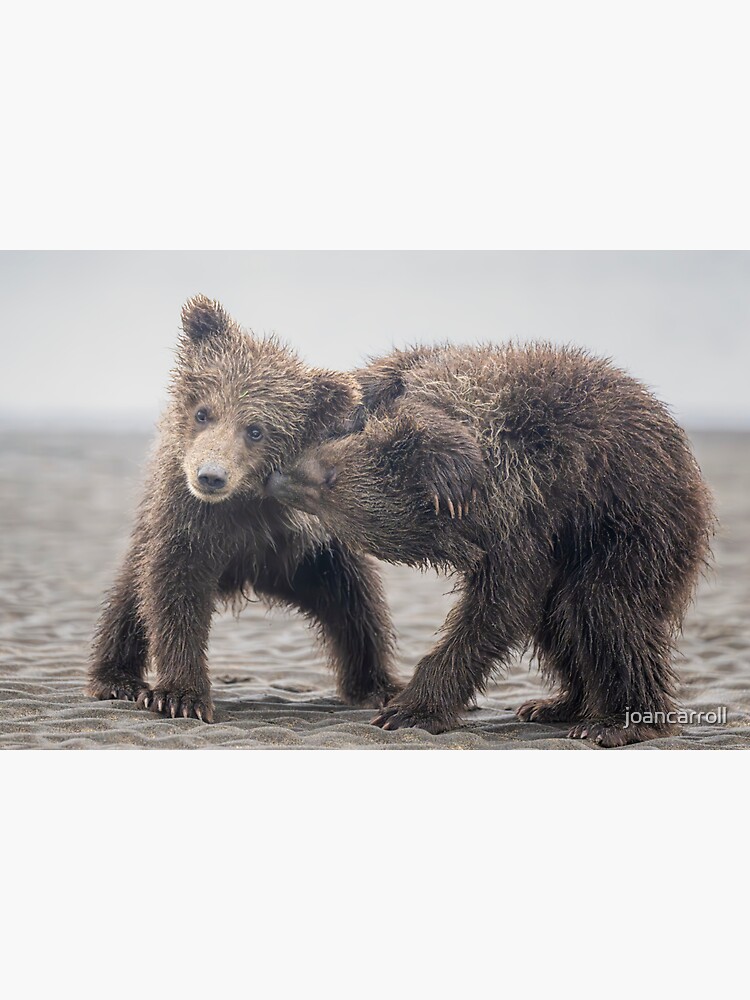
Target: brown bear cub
{"points": [[241, 406], [565, 496]]}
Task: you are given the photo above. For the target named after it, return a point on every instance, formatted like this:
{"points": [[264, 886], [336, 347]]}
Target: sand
{"points": [[67, 502]]}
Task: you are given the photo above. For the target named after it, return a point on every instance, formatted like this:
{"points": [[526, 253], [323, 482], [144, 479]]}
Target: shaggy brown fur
{"points": [[569, 502], [240, 407]]}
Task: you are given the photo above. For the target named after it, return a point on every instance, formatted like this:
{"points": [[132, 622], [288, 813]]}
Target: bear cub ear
{"points": [[203, 318], [334, 397]]}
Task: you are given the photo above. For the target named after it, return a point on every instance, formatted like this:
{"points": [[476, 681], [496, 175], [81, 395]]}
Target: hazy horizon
{"points": [[90, 335]]}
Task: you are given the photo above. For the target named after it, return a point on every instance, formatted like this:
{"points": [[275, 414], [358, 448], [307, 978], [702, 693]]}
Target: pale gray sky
{"points": [[88, 337]]}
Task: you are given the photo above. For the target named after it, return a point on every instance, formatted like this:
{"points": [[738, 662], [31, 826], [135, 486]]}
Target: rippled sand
{"points": [[66, 508]]}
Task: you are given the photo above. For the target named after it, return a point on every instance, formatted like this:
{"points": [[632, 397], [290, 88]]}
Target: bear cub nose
{"points": [[212, 478]]}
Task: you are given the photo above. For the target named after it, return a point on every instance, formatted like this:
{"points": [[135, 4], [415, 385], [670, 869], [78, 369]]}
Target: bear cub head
{"points": [[243, 405]]}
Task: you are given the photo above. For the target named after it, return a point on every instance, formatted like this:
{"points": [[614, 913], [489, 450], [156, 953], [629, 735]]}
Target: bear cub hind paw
{"points": [[398, 717], [118, 688], [377, 698], [548, 710]]}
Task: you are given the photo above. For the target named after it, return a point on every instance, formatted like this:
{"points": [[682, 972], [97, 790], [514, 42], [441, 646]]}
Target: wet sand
{"points": [[66, 507]]}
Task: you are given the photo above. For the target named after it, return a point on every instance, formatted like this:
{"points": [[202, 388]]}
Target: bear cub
{"points": [[564, 496], [241, 406]]}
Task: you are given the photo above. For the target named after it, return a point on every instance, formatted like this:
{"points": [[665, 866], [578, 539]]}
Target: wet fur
{"points": [[587, 526], [187, 553]]}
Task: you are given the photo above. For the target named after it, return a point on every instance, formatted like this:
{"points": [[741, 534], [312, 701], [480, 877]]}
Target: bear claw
{"points": [[178, 704], [122, 689], [612, 732], [559, 709], [398, 717], [457, 508]]}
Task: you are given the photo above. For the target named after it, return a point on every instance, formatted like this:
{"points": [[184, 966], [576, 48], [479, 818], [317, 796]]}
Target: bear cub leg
{"points": [[120, 649], [558, 661], [479, 634], [178, 600], [340, 591]]}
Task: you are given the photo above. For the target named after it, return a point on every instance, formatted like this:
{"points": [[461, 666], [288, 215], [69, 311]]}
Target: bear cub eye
{"points": [[254, 432], [201, 416]]}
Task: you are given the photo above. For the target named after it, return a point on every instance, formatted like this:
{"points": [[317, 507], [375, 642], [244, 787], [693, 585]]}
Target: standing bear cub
{"points": [[241, 406], [564, 495]]}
